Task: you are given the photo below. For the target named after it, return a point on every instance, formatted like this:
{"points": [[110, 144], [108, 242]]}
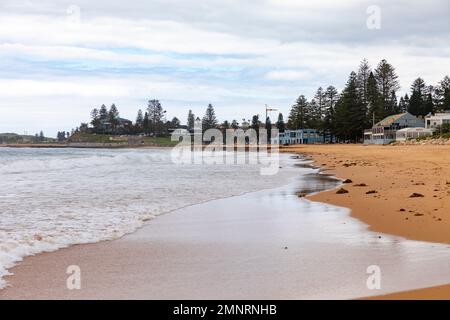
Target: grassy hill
{"points": [[14, 138], [81, 137]]}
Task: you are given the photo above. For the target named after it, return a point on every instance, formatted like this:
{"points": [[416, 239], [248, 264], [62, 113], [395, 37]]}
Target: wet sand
{"points": [[395, 173], [268, 244]]}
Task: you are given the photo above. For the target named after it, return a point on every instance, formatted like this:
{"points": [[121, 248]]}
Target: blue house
{"points": [[300, 136]]}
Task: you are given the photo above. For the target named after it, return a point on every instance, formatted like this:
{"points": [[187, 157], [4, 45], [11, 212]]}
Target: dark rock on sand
{"points": [[416, 195], [341, 191]]}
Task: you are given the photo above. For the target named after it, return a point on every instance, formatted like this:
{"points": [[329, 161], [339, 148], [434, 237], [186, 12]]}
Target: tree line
{"points": [[368, 97]]}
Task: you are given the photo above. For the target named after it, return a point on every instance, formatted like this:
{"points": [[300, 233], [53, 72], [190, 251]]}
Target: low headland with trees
{"points": [[369, 95]]}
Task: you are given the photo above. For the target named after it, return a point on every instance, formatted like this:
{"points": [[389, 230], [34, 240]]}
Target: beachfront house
{"points": [[300, 136], [437, 120], [384, 132], [122, 125], [412, 133]]}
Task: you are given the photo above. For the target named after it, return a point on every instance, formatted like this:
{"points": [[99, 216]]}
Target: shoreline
{"points": [[395, 173], [65, 254], [193, 254]]}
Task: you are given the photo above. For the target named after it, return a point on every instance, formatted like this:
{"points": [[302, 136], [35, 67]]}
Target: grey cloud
{"points": [[330, 22]]}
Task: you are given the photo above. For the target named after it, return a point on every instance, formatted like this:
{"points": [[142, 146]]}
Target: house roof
{"points": [[390, 120]]}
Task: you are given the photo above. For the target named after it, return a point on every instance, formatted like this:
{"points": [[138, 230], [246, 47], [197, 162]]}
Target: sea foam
{"points": [[54, 198]]}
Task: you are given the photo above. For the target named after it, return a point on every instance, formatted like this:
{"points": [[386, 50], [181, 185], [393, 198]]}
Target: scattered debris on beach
{"points": [[341, 191], [416, 195]]}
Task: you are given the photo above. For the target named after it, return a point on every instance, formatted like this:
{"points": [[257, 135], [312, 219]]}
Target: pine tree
{"points": [[297, 116], [363, 74], [417, 101], [113, 117], [139, 126], [103, 113], [376, 111], [314, 115], [146, 124], [388, 84], [281, 126], [190, 120], [350, 113], [209, 120], [331, 97], [321, 102], [156, 116], [95, 119], [443, 94]]}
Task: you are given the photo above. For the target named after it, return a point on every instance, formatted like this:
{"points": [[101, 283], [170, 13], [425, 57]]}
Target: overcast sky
{"points": [[59, 59]]}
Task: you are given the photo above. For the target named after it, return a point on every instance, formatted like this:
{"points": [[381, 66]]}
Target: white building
{"points": [[412, 133], [437, 120], [384, 131]]}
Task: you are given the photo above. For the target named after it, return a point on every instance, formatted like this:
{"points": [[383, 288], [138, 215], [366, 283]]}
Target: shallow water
{"points": [[271, 244], [268, 244], [53, 198]]}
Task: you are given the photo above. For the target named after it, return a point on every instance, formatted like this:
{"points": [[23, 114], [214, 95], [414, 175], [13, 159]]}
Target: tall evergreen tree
{"points": [[443, 94], [146, 124], [331, 97], [156, 116], [139, 125], [103, 113], [190, 121], [255, 125], [417, 101], [376, 110], [314, 115], [350, 113], [281, 126], [113, 117], [297, 116], [95, 119], [363, 74], [388, 84], [209, 120], [320, 99]]}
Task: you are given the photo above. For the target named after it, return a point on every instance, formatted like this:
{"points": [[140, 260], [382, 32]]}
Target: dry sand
{"points": [[395, 173]]}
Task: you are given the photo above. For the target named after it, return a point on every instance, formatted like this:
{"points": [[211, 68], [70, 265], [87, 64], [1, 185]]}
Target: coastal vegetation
{"points": [[369, 96], [13, 138]]}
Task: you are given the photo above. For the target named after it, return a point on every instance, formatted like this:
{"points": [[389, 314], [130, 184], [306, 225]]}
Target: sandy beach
{"points": [[230, 248], [394, 173]]}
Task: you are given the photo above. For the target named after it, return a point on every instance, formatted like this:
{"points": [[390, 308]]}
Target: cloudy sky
{"points": [[59, 59]]}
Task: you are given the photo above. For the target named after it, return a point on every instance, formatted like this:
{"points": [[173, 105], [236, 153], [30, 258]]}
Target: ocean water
{"points": [[54, 198]]}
